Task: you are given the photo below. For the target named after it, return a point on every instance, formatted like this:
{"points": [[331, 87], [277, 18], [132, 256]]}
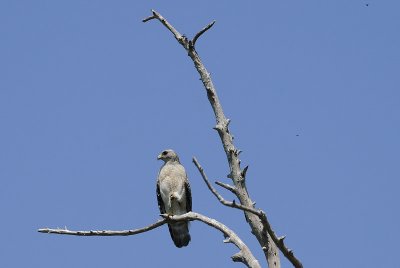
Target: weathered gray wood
{"points": [[244, 255]]}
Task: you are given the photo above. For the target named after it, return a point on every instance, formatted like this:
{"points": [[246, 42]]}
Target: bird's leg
{"points": [[172, 200], [174, 196], [175, 201]]}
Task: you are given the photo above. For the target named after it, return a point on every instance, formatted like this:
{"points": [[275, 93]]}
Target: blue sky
{"points": [[89, 95]]}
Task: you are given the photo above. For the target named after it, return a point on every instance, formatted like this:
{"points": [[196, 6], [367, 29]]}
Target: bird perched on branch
{"points": [[174, 195]]}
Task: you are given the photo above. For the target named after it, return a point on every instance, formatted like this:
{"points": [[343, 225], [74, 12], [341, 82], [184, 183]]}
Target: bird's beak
{"points": [[159, 157]]}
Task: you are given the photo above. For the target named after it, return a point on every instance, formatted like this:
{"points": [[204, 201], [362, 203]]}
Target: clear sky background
{"points": [[89, 95]]}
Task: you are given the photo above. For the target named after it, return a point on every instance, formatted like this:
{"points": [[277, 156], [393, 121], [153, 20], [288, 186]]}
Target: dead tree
{"points": [[256, 218]]}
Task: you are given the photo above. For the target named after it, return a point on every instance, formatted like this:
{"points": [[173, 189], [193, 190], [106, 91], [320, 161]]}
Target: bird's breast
{"points": [[171, 178]]}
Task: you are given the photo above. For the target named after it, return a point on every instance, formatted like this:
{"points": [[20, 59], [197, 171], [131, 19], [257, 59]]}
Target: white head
{"points": [[168, 155]]}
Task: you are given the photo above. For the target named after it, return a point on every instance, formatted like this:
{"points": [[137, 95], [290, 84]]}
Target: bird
{"points": [[174, 195]]}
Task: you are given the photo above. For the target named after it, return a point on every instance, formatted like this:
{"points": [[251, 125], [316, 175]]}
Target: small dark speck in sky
{"points": [[366, 4]]}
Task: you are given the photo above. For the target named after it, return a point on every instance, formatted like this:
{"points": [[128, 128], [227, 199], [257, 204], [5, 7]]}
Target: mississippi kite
{"points": [[174, 195]]}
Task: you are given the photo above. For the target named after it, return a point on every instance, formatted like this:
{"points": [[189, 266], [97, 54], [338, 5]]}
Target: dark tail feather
{"points": [[180, 233]]}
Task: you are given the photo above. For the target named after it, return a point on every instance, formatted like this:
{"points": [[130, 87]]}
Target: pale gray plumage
{"points": [[174, 196]]}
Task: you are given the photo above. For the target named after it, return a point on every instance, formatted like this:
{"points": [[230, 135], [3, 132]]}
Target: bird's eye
{"points": [[164, 153]]}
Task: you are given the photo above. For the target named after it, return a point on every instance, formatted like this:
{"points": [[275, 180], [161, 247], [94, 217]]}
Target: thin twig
{"points": [[148, 18], [226, 186], [244, 255], [201, 32]]}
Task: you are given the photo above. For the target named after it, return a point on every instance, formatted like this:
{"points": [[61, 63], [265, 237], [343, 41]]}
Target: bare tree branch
{"points": [[201, 32], [236, 174], [148, 18], [104, 232], [217, 195], [279, 241], [179, 37], [244, 255], [226, 186]]}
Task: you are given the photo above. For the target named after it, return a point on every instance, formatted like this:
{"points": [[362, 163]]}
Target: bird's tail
{"points": [[179, 233]]}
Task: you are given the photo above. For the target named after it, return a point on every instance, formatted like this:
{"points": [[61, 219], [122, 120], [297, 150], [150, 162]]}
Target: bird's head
{"points": [[168, 155]]}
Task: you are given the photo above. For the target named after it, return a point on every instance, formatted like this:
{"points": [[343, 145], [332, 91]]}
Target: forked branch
{"points": [[279, 241]]}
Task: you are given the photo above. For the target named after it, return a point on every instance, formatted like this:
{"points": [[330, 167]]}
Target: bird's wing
{"points": [[159, 199], [188, 196]]}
